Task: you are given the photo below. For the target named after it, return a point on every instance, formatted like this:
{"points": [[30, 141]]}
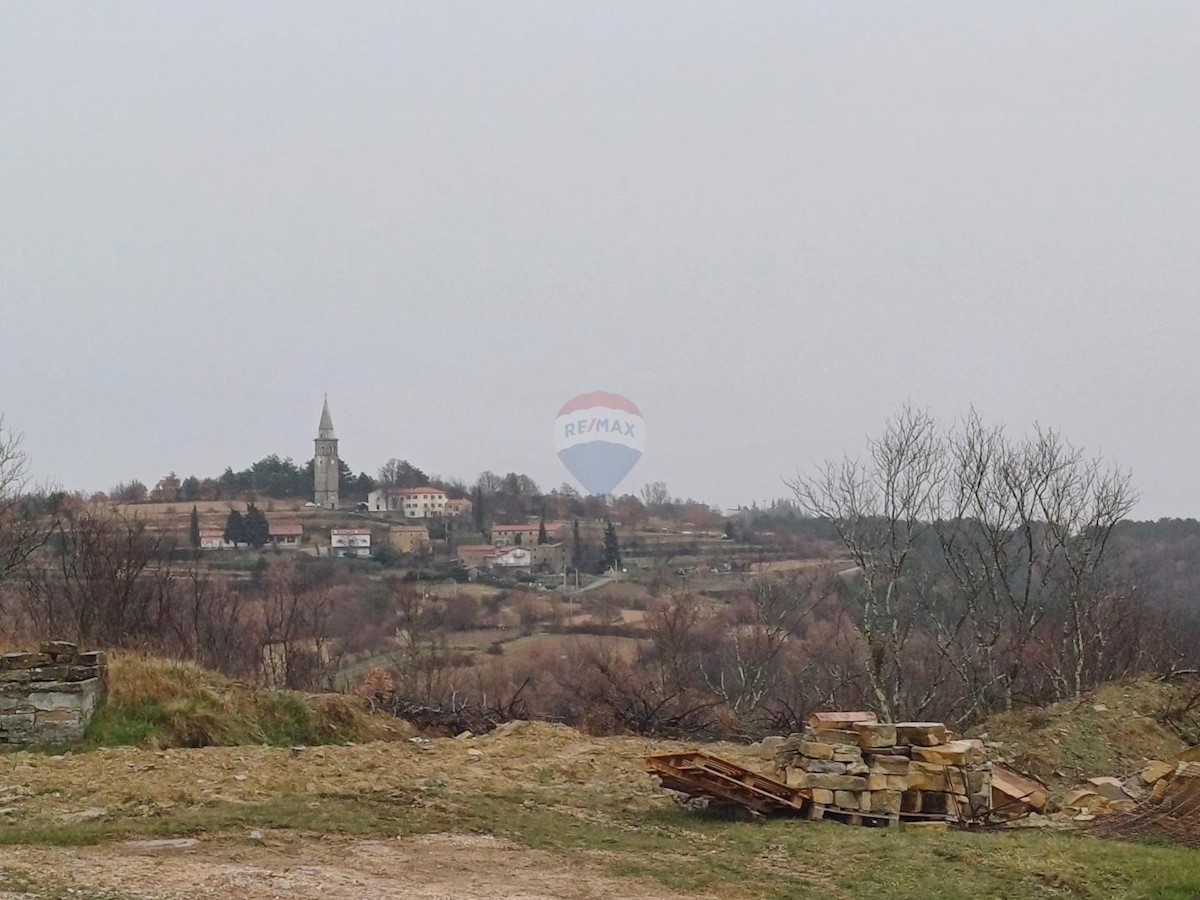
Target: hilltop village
{"points": [[502, 528]]}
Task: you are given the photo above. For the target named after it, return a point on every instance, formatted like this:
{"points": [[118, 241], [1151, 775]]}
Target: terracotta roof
{"points": [[212, 532], [478, 548], [347, 532], [284, 529], [531, 527], [406, 529], [421, 490]]}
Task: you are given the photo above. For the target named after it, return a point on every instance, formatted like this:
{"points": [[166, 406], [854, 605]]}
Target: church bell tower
{"points": [[326, 466]]}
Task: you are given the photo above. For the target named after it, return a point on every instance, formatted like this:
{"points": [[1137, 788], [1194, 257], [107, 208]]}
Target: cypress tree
{"points": [[256, 527], [235, 528], [194, 529], [612, 548]]}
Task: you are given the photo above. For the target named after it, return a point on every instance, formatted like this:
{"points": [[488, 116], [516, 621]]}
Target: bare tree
{"points": [[96, 583], [881, 510], [747, 667], [24, 522]]}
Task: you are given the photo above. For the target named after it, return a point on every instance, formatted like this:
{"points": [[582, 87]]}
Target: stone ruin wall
{"points": [[48, 697]]}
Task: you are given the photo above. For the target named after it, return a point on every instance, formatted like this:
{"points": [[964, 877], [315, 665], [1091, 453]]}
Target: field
{"points": [[533, 810]]}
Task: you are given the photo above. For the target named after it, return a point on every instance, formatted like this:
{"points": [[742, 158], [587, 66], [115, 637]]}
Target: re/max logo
{"points": [[598, 426]]}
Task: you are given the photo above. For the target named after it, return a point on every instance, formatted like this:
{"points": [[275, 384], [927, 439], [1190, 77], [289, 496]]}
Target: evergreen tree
{"points": [[577, 545], [612, 548], [235, 528], [542, 537], [255, 526], [194, 529], [477, 509]]}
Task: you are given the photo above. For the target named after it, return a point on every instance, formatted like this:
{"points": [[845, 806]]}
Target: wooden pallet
{"points": [[700, 774]]}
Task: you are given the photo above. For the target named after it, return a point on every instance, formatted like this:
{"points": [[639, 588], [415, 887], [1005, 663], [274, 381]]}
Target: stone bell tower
{"points": [[326, 466]]}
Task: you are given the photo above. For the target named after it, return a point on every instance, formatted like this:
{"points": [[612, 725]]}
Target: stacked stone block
{"points": [[48, 697], [908, 770]]}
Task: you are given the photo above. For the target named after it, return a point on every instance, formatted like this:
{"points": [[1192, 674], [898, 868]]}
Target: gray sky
{"points": [[768, 224]]}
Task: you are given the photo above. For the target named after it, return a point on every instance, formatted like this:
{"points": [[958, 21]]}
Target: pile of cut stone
{"points": [[862, 771]]}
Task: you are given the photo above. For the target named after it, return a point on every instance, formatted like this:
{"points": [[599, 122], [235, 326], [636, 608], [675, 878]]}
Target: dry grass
{"points": [[164, 703]]}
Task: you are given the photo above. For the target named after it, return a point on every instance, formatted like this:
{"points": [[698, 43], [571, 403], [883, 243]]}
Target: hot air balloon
{"points": [[599, 437]]}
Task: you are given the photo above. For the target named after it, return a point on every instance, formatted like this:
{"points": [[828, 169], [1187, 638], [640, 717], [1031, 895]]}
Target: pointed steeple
{"points": [[325, 429]]}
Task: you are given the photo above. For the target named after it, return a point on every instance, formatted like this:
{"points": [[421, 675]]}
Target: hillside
{"points": [[1114, 730], [531, 810]]}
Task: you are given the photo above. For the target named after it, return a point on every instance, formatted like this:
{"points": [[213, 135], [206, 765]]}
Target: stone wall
{"points": [[48, 697]]}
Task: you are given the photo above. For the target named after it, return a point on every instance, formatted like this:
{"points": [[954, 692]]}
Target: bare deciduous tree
{"points": [[24, 526], [881, 509]]}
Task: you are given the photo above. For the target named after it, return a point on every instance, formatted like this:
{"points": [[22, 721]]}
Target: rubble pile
{"points": [[1105, 795], [857, 767], [49, 696]]}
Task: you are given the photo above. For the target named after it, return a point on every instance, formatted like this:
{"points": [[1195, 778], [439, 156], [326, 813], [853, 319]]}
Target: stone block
{"points": [[897, 782], [875, 734], [928, 777], [797, 778], [921, 734], [835, 736], [953, 753], [846, 799], [815, 750], [50, 701], [935, 803], [10, 661], [1108, 787], [93, 658], [885, 802], [1157, 770], [81, 673], [837, 782], [49, 673], [825, 767], [17, 721], [847, 754], [768, 747], [16, 676], [64, 687], [858, 768], [910, 801], [877, 782], [889, 765], [839, 719], [823, 796], [864, 801], [60, 651]]}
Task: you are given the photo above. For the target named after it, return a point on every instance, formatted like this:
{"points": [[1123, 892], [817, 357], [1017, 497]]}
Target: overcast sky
{"points": [[768, 224]]}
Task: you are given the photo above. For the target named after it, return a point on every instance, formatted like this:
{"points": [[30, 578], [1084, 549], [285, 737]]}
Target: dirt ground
{"points": [[426, 867], [441, 784]]}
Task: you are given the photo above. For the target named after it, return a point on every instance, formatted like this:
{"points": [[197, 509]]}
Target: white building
{"points": [[414, 503], [350, 541], [513, 559]]}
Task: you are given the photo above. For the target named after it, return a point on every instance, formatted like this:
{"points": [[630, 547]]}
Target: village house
{"points": [[475, 556], [350, 542], [214, 539], [460, 507], [408, 538], [507, 535], [551, 557], [286, 535]]}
